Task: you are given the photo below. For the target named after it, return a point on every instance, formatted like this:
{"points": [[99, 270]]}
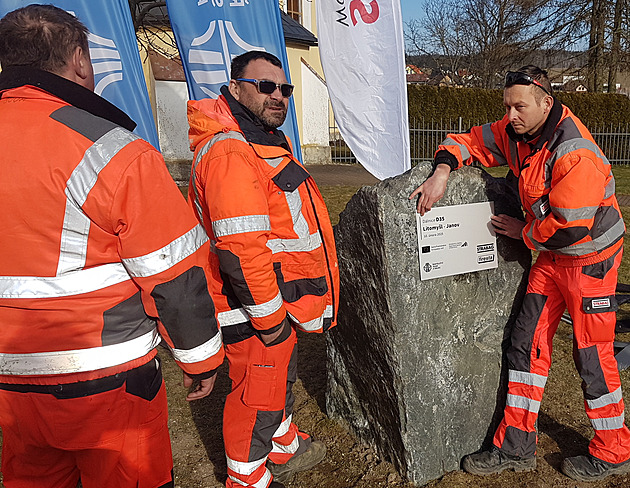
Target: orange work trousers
{"points": [[588, 292], [55, 436], [257, 420]]}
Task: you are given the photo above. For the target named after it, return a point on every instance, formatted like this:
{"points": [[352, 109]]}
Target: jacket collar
{"points": [[254, 130], [66, 90], [553, 119]]}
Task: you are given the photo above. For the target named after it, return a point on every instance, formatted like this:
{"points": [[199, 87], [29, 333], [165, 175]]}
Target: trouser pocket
{"points": [[145, 381], [266, 374], [261, 387], [599, 315]]}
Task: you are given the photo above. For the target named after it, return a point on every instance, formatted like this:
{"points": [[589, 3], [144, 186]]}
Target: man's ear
{"points": [[548, 103], [80, 63], [234, 89]]}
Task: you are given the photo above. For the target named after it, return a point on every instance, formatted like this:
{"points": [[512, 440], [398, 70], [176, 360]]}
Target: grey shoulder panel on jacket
{"points": [[86, 124], [567, 130]]}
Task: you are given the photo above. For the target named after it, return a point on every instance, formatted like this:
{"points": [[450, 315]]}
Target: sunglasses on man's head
{"points": [[518, 78], [268, 87]]}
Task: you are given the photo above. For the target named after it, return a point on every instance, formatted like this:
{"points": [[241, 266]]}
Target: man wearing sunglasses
{"points": [[572, 218], [274, 260]]}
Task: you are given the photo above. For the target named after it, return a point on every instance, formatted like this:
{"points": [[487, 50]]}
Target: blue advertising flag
{"points": [[118, 74], [210, 33]]}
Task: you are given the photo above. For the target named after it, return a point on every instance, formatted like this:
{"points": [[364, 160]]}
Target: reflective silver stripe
{"points": [[283, 428], [571, 214], [261, 483], [463, 149], [528, 404], [76, 225], [202, 152], [265, 309], [603, 241], [74, 237], [221, 136], [530, 379], [328, 313], [491, 144], [610, 188], [78, 360], [275, 162], [306, 244], [171, 254], [199, 353], [244, 469], [74, 283], [300, 226], [232, 317], [571, 145], [609, 423], [240, 225], [288, 449], [605, 400], [314, 324], [97, 156]]}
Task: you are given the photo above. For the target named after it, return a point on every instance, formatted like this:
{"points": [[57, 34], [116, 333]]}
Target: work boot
{"points": [[309, 458], [495, 461], [590, 468]]}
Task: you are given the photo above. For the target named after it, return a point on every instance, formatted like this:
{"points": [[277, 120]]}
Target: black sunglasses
{"points": [[518, 78], [268, 87]]}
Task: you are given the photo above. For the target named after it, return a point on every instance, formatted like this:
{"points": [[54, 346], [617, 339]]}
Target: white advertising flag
{"points": [[362, 52]]}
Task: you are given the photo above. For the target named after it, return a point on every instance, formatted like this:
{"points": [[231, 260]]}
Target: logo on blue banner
{"points": [[210, 33], [118, 74], [105, 61], [207, 54]]}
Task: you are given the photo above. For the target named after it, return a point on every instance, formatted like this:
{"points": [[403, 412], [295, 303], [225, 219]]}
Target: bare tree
{"points": [[487, 37], [615, 45], [438, 37], [153, 28]]}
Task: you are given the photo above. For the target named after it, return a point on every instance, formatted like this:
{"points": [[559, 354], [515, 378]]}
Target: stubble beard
{"points": [[273, 118]]}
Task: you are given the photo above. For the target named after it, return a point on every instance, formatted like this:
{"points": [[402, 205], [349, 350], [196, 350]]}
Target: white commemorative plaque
{"points": [[456, 239]]}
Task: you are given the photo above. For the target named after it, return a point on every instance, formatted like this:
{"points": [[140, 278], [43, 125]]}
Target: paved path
{"points": [[340, 174], [624, 200]]}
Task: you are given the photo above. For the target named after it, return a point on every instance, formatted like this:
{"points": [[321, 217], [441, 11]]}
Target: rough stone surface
{"points": [[416, 368]]}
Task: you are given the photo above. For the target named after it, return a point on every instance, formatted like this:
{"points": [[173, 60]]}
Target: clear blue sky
{"points": [[411, 9]]}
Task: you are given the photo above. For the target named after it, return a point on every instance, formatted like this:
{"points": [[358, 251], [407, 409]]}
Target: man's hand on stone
{"points": [[508, 226], [432, 189]]}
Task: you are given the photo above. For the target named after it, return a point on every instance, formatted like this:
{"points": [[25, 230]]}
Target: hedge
{"points": [[481, 106]]}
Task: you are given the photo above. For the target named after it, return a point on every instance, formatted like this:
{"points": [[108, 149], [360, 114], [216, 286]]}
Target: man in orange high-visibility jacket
{"points": [[100, 259], [273, 259], [567, 190]]}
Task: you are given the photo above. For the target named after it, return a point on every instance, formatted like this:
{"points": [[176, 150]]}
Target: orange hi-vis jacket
{"points": [[273, 252], [566, 184], [100, 256]]}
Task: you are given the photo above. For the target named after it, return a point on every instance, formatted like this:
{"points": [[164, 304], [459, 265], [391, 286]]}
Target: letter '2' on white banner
{"points": [[363, 56]]}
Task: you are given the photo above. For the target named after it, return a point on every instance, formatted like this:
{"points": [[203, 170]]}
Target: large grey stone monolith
{"points": [[415, 367]]}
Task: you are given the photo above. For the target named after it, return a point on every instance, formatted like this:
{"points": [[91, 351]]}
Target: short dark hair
{"points": [[240, 62], [40, 36], [540, 75]]}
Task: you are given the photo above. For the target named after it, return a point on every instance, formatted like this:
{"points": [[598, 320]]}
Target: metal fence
{"points": [[426, 135]]}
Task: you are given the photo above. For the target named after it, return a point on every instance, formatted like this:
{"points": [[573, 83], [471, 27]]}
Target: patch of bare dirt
{"points": [[564, 430]]}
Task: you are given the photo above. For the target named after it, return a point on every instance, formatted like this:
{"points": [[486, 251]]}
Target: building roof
{"points": [[295, 32]]}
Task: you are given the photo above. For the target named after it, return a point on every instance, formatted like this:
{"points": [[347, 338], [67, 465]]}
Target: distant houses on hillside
{"points": [[568, 80]]}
